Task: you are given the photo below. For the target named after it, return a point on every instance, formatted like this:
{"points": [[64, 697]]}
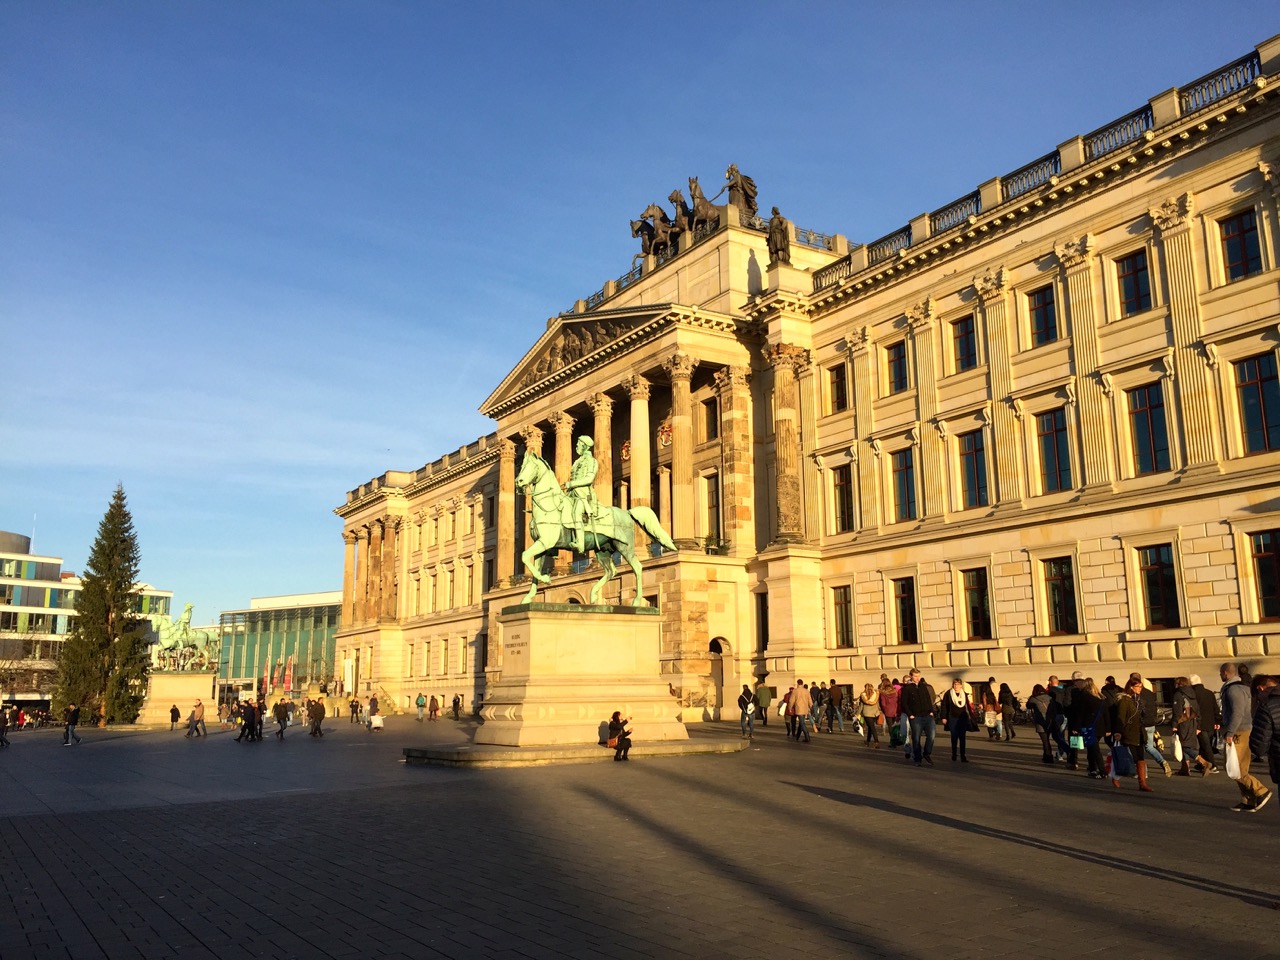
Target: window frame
{"points": [[1122, 305], [975, 354], [1237, 392], [1038, 557], [1132, 546], [1131, 417], [958, 568], [836, 606], [1062, 450], [842, 520], [1033, 340], [894, 484], [1251, 611], [837, 398], [1220, 223], [983, 465], [895, 387]]}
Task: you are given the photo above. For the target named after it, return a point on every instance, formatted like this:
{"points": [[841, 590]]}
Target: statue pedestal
{"points": [[566, 668], [167, 687]]}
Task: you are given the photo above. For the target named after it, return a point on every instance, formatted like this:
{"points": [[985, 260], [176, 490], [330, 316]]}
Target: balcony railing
{"points": [[833, 273], [1118, 133], [954, 214], [595, 300], [886, 247], [1213, 87], [752, 221], [1034, 174], [631, 276], [812, 238]]}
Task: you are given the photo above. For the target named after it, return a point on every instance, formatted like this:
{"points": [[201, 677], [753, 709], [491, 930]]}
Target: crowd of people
{"points": [[1073, 719]]}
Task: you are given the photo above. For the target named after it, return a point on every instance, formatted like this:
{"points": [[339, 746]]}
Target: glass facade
{"points": [[263, 639]]}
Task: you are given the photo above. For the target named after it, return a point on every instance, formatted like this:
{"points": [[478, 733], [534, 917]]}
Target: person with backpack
{"points": [[747, 708], [1008, 706], [1040, 705], [421, 704], [1186, 726]]}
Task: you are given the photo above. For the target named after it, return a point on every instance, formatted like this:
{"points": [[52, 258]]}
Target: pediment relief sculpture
{"points": [[571, 344]]}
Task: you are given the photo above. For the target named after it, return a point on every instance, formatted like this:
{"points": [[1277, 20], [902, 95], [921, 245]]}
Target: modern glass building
{"points": [[263, 639], [37, 611]]}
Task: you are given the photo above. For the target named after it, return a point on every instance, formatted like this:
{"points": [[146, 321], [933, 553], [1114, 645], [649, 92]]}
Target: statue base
{"points": [[566, 668], [167, 687]]}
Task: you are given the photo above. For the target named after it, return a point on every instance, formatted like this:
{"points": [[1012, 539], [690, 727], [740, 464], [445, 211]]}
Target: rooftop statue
{"points": [[182, 648], [572, 518], [742, 190], [704, 211], [663, 229], [779, 239]]}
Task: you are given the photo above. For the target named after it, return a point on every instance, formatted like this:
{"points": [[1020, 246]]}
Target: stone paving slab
{"points": [[153, 847], [483, 756]]}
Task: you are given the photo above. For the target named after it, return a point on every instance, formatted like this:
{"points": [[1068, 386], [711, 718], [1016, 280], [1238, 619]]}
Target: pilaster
{"points": [[638, 389], [1194, 397], [787, 361], [1075, 257], [348, 577], [737, 459], [860, 358], [390, 536], [373, 599], [922, 324], [360, 600], [992, 291]]}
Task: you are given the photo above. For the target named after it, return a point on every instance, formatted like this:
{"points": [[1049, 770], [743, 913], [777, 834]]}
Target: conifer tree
{"points": [[103, 666]]}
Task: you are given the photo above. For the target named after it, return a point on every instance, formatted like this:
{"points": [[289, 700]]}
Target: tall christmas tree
{"points": [[103, 666]]}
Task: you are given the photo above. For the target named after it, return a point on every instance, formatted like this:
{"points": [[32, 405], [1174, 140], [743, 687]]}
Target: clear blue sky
{"points": [[255, 253]]}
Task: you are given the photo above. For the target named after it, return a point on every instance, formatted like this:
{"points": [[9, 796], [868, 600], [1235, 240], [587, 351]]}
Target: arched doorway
{"points": [[715, 699]]}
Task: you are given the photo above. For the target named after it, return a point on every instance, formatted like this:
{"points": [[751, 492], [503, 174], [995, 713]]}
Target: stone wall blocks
{"points": [[1219, 648], [1137, 650], [1041, 655], [1272, 644], [1164, 649], [1087, 653], [1250, 647]]}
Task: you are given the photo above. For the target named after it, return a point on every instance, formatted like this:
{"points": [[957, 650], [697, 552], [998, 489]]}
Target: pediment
{"points": [[572, 343]]}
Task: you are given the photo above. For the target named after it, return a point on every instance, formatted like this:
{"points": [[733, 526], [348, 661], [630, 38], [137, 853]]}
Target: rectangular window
{"points": [[1150, 433], [710, 419], [1259, 394], [489, 575], [712, 482], [838, 384], [904, 485], [1060, 596], [842, 497], [1055, 455], [842, 608], [1134, 283], [1159, 586], [1241, 254], [896, 357], [904, 603], [964, 342], [1044, 316], [977, 604], [1265, 547], [973, 469]]}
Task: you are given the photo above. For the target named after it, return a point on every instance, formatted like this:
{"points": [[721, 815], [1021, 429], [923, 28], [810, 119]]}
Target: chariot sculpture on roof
{"points": [[659, 233]]}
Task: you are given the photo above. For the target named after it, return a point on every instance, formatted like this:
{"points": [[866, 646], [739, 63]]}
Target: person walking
{"points": [[747, 710], [247, 721], [1264, 739], [316, 716], [4, 727], [1082, 724], [174, 716], [1210, 723], [888, 691], [820, 700], [801, 706], [70, 719], [835, 706], [1186, 726], [280, 713], [457, 706], [433, 709], [1040, 706], [354, 706], [1147, 707], [421, 704], [869, 710], [1126, 734], [917, 703], [957, 716], [1008, 705], [224, 714], [1237, 724], [764, 698], [198, 713]]}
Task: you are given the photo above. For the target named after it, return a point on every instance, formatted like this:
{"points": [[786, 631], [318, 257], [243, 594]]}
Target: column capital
{"points": [[393, 522], [679, 366], [922, 315], [637, 386], [1072, 253], [601, 404], [362, 533], [781, 355], [992, 285], [732, 378], [506, 449], [1173, 212], [532, 437], [348, 537], [563, 422], [1270, 176], [858, 341]]}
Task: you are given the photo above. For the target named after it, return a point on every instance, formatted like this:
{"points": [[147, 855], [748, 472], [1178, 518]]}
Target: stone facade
{"points": [[1037, 430]]}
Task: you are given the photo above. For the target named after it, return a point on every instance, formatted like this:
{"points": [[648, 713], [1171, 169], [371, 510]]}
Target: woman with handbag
{"points": [[1186, 728], [1126, 735], [956, 708], [1008, 704], [1038, 705], [619, 736], [1082, 724], [869, 711], [991, 715]]}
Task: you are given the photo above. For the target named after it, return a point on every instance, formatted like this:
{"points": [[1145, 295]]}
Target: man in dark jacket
{"points": [[71, 718], [916, 701], [1237, 724], [1210, 720], [317, 718], [1147, 711], [1264, 740]]}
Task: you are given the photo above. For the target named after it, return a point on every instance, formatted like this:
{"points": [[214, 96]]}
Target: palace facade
{"points": [[1032, 432]]}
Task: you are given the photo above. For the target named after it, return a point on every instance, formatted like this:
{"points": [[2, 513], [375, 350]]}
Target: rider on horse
{"points": [[580, 504]]}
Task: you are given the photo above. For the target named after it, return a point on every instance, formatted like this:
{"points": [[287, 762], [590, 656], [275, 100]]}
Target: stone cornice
{"points": [[388, 495], [1256, 103]]}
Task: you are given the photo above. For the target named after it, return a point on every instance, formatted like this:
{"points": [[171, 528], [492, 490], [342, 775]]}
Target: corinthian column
{"points": [[348, 577], [602, 407], [391, 533], [506, 546], [532, 437], [360, 600], [563, 424], [373, 601], [680, 369], [787, 361], [1194, 394], [638, 388]]}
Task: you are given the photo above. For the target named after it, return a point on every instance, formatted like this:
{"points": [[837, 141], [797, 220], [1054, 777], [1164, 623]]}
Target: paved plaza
{"points": [[148, 845]]}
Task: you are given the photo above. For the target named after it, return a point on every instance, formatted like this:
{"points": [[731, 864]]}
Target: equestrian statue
{"points": [[572, 518], [179, 647]]}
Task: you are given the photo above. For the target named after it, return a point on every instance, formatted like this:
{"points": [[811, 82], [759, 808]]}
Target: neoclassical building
{"points": [[1032, 432]]}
